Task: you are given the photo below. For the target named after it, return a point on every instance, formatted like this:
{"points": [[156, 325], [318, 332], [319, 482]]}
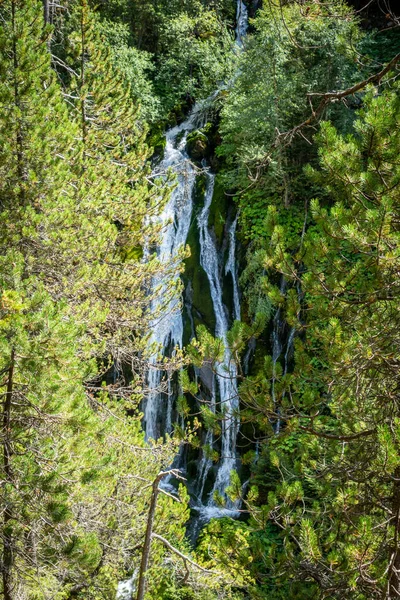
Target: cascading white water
{"points": [[127, 588], [278, 325], [226, 370], [242, 19], [167, 331], [231, 268], [206, 462], [175, 218]]}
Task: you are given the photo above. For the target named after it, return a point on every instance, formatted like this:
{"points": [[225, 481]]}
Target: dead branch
{"points": [[285, 138], [185, 558], [328, 97]]}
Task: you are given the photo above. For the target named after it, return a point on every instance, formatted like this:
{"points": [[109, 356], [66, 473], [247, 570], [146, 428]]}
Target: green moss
{"points": [[199, 191], [187, 327], [227, 291], [195, 276], [179, 138]]}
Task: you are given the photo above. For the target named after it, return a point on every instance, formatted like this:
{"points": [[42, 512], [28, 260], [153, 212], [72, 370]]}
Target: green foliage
{"points": [[188, 44], [73, 194], [310, 49], [226, 542], [135, 65], [75, 216]]}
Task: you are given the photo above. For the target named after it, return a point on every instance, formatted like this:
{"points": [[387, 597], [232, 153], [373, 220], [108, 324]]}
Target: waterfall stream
{"points": [[167, 326], [278, 325], [242, 19]]}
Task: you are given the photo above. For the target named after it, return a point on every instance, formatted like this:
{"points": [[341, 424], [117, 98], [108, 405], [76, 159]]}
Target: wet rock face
{"points": [[253, 6]]}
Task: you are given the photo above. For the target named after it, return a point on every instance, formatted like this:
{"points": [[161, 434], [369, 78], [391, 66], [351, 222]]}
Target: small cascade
{"points": [[242, 19], [127, 588], [206, 462], [292, 333], [289, 350], [225, 375], [231, 267], [248, 356], [278, 326]]}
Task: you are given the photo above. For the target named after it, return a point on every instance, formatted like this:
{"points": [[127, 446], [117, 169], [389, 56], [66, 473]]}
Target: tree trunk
{"points": [[394, 571], [141, 587], [7, 514], [46, 11], [21, 170]]}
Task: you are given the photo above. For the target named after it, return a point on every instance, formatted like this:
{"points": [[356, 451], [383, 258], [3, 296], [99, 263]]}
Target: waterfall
{"points": [[226, 370], [167, 325], [242, 18]]}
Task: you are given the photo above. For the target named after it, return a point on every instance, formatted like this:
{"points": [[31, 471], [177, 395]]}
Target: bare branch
{"points": [[329, 97], [341, 438], [185, 558]]}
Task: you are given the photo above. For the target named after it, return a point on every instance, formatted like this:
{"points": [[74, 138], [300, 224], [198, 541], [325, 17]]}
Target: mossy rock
{"points": [[187, 317], [200, 187], [179, 112], [179, 137], [194, 276], [227, 293], [197, 145]]}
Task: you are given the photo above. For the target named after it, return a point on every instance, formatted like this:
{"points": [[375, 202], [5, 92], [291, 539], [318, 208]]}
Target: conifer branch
{"points": [[285, 138]]}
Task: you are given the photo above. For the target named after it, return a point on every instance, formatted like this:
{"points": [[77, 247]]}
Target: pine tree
{"points": [[43, 406], [113, 189], [74, 466], [336, 462]]}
